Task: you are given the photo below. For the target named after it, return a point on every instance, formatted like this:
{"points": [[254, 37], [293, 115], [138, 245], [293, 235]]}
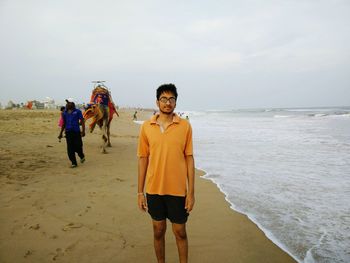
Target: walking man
{"points": [[72, 118], [166, 171]]}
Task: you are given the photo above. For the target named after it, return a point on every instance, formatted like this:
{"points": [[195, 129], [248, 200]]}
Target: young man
{"points": [[71, 117], [166, 168]]}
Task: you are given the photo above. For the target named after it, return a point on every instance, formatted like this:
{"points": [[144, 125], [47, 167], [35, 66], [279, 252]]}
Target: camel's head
{"points": [[92, 110]]}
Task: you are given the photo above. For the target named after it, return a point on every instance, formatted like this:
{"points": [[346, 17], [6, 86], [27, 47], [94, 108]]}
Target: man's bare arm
{"points": [[82, 127], [61, 132], [142, 170], [190, 178]]}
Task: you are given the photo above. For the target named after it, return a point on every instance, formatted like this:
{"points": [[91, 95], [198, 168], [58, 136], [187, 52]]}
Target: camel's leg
{"points": [[104, 136], [103, 149], [92, 126], [108, 135], [104, 139]]}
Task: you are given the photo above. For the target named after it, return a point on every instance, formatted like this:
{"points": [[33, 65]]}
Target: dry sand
{"points": [[50, 212]]}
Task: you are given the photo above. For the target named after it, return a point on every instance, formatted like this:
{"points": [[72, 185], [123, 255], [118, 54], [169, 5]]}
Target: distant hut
{"points": [[10, 105], [49, 103], [38, 105]]}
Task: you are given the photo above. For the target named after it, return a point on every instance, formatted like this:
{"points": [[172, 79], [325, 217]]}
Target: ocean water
{"points": [[288, 170]]}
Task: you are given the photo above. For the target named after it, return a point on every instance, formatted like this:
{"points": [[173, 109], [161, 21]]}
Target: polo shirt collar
{"points": [[176, 118]]}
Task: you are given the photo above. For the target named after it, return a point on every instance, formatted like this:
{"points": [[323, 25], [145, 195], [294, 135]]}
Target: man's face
{"points": [[166, 103], [69, 106]]}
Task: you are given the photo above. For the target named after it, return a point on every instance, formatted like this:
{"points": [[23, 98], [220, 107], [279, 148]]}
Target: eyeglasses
{"points": [[164, 100]]}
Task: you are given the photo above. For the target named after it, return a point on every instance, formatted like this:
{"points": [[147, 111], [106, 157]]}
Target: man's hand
{"points": [[189, 203], [82, 133], [142, 203], [60, 136]]}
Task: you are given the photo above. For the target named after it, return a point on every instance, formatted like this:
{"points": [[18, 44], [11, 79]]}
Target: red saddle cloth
{"points": [[102, 96]]}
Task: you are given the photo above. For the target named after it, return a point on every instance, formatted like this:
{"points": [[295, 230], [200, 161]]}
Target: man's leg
{"points": [[79, 146], [70, 147], [181, 241], [159, 229]]}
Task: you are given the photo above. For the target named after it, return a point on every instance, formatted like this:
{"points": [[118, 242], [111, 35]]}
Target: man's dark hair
{"points": [[166, 88]]}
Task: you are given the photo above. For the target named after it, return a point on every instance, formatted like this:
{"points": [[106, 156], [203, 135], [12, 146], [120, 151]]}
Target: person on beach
{"points": [[72, 118], [60, 121], [166, 171], [134, 118]]}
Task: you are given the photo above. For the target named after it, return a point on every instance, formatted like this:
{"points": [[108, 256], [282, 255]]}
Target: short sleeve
{"points": [[143, 145], [189, 143], [80, 115]]}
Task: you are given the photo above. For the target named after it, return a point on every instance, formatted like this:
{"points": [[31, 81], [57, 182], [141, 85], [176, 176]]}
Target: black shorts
{"points": [[172, 207]]}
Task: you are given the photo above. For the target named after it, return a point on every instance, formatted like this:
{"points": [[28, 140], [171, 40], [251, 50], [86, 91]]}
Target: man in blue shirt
{"points": [[72, 118]]}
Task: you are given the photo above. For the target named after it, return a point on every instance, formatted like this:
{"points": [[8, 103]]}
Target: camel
{"points": [[101, 109]]}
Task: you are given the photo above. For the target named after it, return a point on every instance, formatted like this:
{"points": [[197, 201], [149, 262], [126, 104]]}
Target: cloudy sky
{"points": [[221, 54]]}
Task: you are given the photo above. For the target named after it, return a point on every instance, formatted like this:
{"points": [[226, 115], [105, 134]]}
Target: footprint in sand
{"points": [[92, 194], [71, 226], [28, 253], [24, 196], [35, 227], [71, 247], [119, 180], [58, 254], [85, 211]]}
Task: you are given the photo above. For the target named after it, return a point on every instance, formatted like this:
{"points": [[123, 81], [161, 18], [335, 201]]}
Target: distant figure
{"points": [[29, 105], [135, 116], [187, 118], [71, 118], [154, 112], [60, 121], [166, 172]]}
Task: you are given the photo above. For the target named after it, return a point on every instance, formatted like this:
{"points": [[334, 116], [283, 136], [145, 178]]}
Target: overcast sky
{"points": [[220, 54]]}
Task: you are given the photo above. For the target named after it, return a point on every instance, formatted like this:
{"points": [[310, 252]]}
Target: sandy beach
{"points": [[50, 212]]}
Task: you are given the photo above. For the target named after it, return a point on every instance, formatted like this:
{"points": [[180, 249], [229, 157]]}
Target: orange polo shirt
{"points": [[166, 152]]}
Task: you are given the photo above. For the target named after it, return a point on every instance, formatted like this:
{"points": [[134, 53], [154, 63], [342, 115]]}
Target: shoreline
{"points": [[90, 214], [267, 232]]}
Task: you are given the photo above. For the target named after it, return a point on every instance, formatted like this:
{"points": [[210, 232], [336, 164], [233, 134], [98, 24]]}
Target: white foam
{"points": [[251, 217], [139, 122], [281, 116]]}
